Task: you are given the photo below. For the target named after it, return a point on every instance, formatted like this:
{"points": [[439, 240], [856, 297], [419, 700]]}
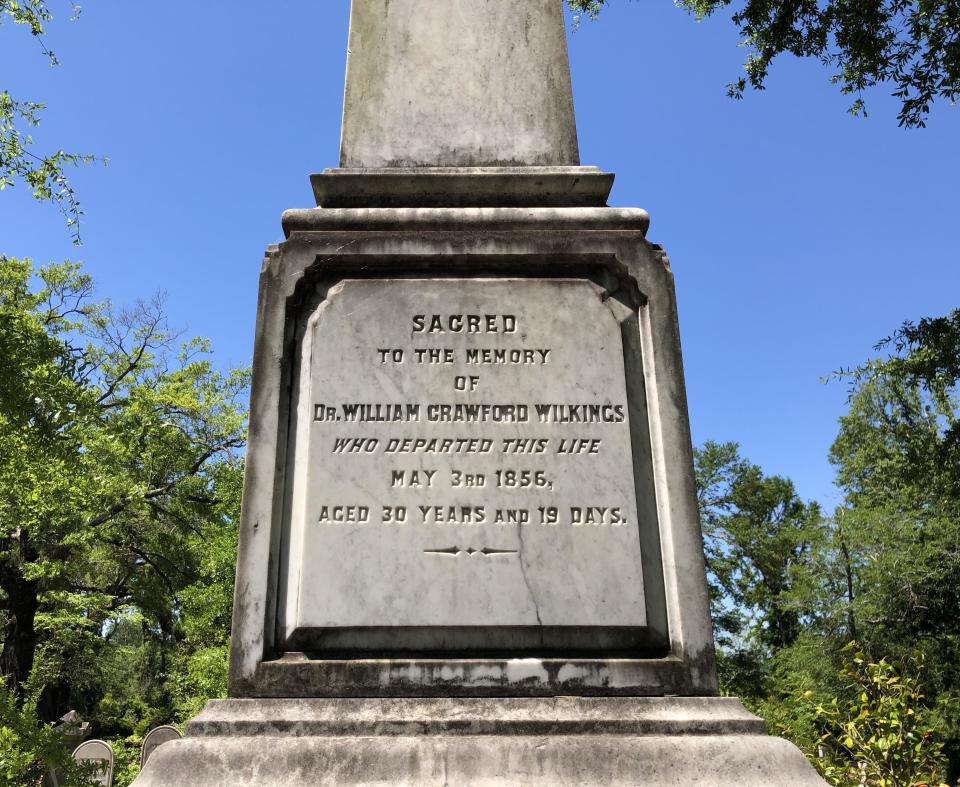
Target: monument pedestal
{"points": [[569, 710], [651, 741]]}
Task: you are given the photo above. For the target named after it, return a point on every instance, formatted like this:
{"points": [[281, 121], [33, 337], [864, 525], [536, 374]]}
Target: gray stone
{"points": [[413, 642], [462, 187], [460, 83], [472, 716], [463, 471], [558, 741], [100, 754], [470, 550], [156, 737], [476, 219], [306, 675], [73, 730]]}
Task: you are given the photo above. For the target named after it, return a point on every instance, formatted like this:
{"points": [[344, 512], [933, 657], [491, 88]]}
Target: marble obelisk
{"points": [[470, 550]]}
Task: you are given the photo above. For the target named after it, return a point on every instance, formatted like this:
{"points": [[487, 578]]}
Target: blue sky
{"points": [[798, 235]]}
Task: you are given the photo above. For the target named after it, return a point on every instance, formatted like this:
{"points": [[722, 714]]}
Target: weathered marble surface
{"points": [[400, 187], [558, 741], [489, 219], [457, 83], [472, 716], [463, 469], [602, 248], [463, 675]]}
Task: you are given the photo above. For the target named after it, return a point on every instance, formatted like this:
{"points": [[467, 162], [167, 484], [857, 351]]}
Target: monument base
{"points": [[482, 741]]}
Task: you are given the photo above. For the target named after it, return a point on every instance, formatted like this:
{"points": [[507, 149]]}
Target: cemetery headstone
{"points": [[100, 754], [154, 738], [74, 730], [470, 549]]}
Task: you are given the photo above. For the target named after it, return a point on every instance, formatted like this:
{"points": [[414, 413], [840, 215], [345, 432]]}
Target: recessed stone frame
{"points": [[498, 640], [675, 656]]}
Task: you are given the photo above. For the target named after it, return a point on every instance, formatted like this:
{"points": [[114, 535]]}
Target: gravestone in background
{"points": [[100, 755], [157, 736], [73, 730], [470, 550]]}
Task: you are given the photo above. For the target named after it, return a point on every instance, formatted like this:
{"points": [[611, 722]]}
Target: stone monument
{"points": [[99, 756], [470, 550]]}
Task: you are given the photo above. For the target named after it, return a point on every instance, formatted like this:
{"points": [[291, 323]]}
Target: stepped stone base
{"points": [[484, 741]]}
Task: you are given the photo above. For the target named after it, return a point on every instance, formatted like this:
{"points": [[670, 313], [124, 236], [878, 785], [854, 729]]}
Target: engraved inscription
{"points": [[487, 414], [470, 552]]}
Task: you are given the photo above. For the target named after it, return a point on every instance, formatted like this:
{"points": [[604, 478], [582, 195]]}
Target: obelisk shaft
{"points": [[458, 83]]}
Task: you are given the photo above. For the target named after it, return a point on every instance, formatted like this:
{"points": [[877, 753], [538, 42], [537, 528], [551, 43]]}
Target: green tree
{"points": [[792, 589], [913, 45], [45, 174], [206, 605], [28, 749], [145, 677], [898, 463], [758, 539], [113, 452], [875, 732]]}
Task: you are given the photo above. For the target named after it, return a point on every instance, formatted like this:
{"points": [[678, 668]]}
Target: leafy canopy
{"points": [[912, 44], [757, 537], [792, 588], [114, 453], [45, 174], [120, 480]]}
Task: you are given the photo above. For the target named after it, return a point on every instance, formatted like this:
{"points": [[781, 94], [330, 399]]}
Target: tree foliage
{"points": [[119, 490], [28, 749], [913, 45], [45, 174], [792, 589], [874, 732], [758, 537], [898, 464]]}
